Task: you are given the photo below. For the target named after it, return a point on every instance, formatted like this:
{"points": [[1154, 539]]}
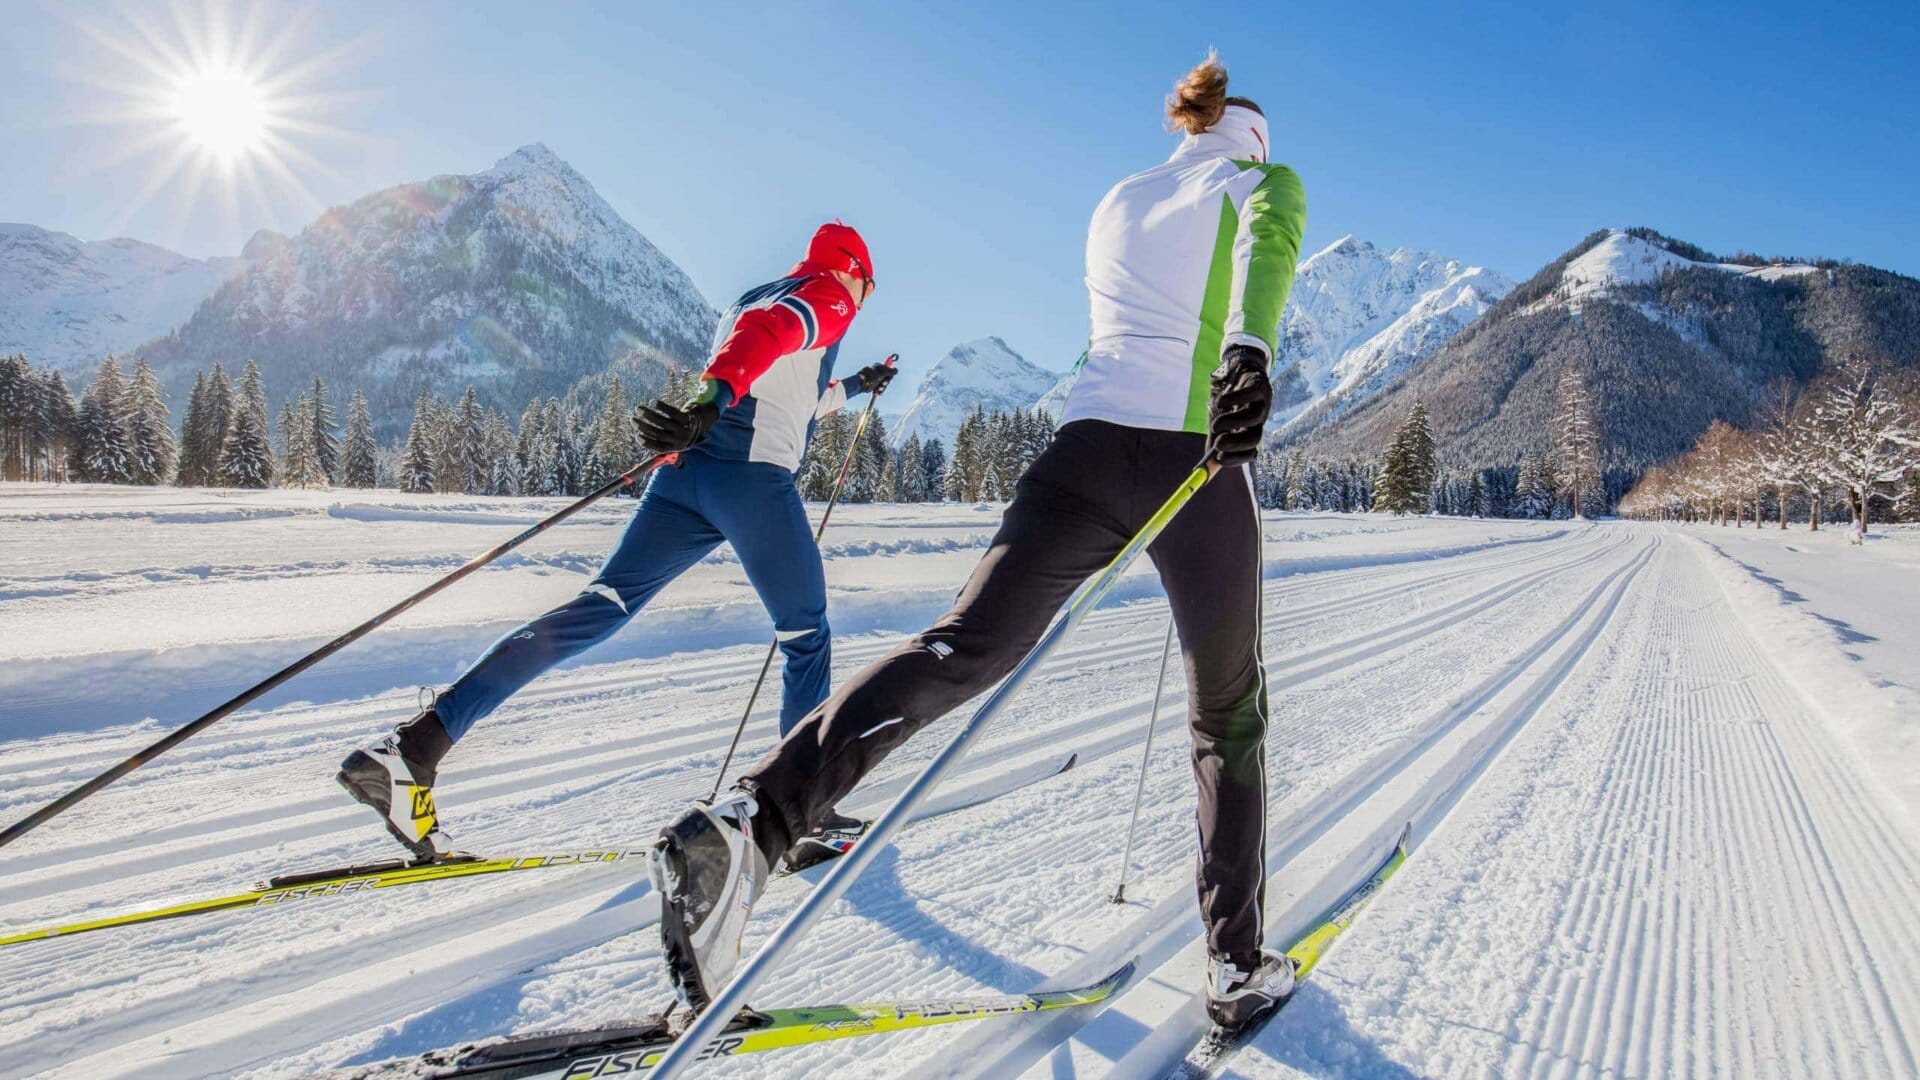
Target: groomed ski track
{"points": [[1637, 851]]}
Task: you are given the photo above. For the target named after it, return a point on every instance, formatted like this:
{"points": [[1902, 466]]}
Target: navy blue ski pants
{"points": [[685, 513]]}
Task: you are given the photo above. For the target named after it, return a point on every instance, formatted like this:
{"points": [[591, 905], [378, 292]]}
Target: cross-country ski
{"points": [[958, 542]]}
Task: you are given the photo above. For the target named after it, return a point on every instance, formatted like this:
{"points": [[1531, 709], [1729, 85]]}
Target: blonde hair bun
{"points": [[1199, 98]]}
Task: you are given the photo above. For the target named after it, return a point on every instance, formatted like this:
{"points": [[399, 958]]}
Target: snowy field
{"points": [[1661, 783]]}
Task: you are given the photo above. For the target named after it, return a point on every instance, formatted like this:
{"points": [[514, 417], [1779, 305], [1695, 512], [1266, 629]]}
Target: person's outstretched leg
{"points": [[395, 777], [1209, 558], [757, 507], [665, 536], [1073, 511]]}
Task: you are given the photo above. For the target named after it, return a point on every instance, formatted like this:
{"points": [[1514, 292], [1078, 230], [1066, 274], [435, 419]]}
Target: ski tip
{"points": [[1406, 836], [1072, 760]]}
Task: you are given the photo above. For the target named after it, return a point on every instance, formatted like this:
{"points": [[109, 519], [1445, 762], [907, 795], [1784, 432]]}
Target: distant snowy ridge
{"points": [[984, 373], [1359, 317], [1625, 259], [68, 302]]}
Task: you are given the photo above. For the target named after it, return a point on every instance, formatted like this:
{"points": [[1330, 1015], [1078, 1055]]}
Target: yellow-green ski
{"points": [[618, 1051], [325, 884], [1209, 1059]]}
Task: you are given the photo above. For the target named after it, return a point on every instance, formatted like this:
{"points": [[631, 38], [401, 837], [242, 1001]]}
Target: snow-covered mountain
{"points": [[520, 280], [69, 302], [1671, 336], [1359, 317], [983, 373]]}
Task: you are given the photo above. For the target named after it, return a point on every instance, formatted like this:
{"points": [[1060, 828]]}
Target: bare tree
{"points": [[1866, 437]]}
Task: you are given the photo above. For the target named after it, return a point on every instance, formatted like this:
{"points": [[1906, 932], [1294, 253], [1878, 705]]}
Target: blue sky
{"points": [[971, 141]]}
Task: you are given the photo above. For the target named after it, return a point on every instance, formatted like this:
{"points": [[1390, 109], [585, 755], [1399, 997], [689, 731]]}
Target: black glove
{"points": [[875, 377], [1238, 406], [666, 428]]}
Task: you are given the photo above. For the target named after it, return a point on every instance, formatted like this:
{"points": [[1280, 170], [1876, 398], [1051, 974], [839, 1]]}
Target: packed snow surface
{"points": [[1643, 845]]}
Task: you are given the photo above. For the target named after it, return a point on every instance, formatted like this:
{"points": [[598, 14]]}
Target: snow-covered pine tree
{"points": [[62, 425], [1529, 498], [106, 445], [933, 470], [246, 454], [468, 446], [824, 454], [615, 447], [1576, 430], [188, 467], [562, 457], [216, 417], [531, 451], [418, 460], [326, 445], [907, 479], [303, 456], [1407, 469], [359, 462], [149, 428], [283, 435], [502, 474], [15, 389], [869, 463]]}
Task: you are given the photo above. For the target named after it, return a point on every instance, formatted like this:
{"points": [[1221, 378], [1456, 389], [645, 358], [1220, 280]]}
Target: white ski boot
{"points": [[1236, 998], [709, 871], [399, 786]]}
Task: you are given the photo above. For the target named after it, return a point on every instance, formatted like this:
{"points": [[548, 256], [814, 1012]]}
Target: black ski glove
{"points": [[874, 378], [666, 428], [1238, 406]]}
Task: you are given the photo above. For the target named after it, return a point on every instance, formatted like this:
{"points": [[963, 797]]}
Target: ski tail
{"points": [[621, 1049]]}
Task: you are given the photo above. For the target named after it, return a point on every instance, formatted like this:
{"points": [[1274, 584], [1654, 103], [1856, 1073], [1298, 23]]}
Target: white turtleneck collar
{"points": [[1240, 133]]}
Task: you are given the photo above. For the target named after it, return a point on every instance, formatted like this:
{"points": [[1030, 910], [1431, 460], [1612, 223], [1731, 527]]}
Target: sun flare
{"points": [[220, 104], [221, 110]]}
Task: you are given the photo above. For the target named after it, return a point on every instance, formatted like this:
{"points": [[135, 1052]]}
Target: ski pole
{"points": [[179, 735], [1126, 854], [848, 868], [833, 500]]}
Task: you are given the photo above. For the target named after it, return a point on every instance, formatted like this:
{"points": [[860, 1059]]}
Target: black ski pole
{"points": [[1126, 855], [179, 735], [833, 500]]}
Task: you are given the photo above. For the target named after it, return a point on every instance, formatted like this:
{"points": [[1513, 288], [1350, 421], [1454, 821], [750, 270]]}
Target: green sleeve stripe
{"points": [[1213, 316], [1276, 218]]}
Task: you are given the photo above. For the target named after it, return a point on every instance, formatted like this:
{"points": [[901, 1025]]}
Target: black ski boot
{"points": [[1236, 997], [395, 778], [835, 837], [708, 869]]}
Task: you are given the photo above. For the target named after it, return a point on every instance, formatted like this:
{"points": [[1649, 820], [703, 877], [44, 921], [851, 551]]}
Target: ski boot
{"points": [[835, 837], [1236, 998], [396, 777], [708, 870]]}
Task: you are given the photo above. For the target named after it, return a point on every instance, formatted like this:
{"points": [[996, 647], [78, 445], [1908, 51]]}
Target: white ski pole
{"points": [[847, 868], [1126, 855]]}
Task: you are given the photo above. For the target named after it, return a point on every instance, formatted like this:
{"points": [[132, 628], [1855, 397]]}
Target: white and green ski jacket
{"points": [[1182, 261]]}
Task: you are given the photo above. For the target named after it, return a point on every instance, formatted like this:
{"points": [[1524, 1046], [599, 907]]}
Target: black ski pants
{"points": [[1075, 508]]}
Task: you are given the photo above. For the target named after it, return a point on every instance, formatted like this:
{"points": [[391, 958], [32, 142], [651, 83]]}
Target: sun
{"points": [[223, 111], [219, 107]]}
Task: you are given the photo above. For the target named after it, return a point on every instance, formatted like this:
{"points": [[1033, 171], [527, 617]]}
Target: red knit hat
{"points": [[838, 247]]}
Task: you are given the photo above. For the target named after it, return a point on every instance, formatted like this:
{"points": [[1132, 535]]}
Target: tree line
{"points": [[1847, 443], [120, 432]]}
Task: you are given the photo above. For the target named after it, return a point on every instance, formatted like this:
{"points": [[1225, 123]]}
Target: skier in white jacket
{"points": [[1188, 266]]}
